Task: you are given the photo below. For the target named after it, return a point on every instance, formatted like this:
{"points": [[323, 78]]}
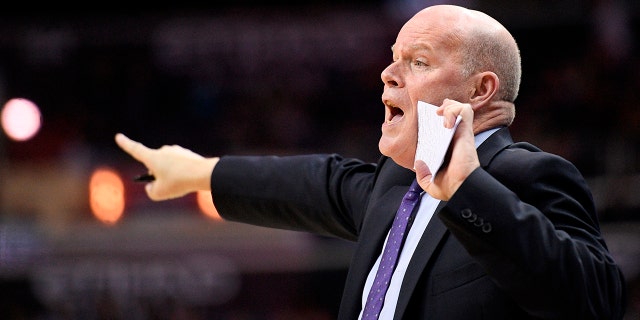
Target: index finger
{"points": [[136, 149]]}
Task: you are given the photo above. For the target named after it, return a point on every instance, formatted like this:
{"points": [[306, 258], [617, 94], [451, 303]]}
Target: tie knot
{"points": [[414, 191]]}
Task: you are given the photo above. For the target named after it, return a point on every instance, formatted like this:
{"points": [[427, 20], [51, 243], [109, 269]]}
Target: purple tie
{"points": [[375, 300]]}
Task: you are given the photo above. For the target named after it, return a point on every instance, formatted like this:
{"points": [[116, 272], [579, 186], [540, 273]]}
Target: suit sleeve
{"points": [[529, 220], [322, 194]]}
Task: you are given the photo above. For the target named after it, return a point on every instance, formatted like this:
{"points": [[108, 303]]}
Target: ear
{"points": [[485, 86]]}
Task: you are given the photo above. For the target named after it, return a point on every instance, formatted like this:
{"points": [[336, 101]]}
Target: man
{"points": [[503, 231]]}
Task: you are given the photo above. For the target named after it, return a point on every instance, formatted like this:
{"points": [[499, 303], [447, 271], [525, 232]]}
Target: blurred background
{"points": [[80, 240]]}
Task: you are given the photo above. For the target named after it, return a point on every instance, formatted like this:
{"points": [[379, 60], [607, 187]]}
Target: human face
{"points": [[426, 67]]}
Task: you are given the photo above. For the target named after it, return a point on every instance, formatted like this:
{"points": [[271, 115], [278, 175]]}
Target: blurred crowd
{"points": [[291, 79]]}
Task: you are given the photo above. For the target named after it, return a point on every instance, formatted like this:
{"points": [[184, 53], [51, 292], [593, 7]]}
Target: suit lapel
{"points": [[432, 236], [391, 185], [436, 230], [392, 182], [368, 249], [494, 144]]}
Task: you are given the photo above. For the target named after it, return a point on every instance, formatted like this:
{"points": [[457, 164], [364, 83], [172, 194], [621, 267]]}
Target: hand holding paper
{"points": [[433, 137]]}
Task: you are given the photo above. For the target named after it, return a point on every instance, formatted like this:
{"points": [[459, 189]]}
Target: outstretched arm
{"points": [[178, 171]]}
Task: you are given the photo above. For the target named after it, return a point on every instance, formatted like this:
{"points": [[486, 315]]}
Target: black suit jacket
{"points": [[519, 240]]}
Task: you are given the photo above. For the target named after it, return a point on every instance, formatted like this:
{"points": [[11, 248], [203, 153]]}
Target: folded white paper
{"points": [[433, 137]]}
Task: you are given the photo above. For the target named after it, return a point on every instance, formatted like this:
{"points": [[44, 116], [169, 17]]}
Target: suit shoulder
{"points": [[523, 160]]}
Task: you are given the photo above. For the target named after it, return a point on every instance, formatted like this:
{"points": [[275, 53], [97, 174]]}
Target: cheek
{"points": [[435, 88], [412, 138], [412, 141], [407, 145]]}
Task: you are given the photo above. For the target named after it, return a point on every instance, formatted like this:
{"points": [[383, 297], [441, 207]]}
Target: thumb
{"points": [[423, 174]]}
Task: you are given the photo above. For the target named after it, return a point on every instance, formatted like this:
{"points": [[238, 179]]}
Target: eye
{"points": [[419, 63]]}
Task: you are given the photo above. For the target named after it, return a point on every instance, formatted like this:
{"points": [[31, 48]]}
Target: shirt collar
{"points": [[482, 136]]}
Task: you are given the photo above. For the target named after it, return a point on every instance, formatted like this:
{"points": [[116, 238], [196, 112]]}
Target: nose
{"points": [[389, 77]]}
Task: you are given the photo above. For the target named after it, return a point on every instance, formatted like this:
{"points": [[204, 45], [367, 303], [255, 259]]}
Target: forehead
{"points": [[431, 32]]}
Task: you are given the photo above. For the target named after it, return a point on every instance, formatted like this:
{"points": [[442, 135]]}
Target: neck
{"points": [[496, 114]]}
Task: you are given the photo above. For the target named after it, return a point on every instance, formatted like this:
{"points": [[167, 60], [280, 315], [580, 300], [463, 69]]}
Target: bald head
{"points": [[483, 43], [458, 16]]}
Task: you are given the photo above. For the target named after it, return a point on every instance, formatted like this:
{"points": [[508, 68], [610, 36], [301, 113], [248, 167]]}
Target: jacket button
{"points": [[486, 228], [466, 213], [473, 218], [479, 222]]}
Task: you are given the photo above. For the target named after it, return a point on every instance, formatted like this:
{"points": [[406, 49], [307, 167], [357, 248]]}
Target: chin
{"points": [[396, 155], [403, 159], [384, 148], [407, 164]]}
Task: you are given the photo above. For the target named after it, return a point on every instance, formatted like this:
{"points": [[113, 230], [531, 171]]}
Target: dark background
{"points": [[269, 77]]}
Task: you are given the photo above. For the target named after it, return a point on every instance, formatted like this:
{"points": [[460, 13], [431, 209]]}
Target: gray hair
{"points": [[487, 51]]}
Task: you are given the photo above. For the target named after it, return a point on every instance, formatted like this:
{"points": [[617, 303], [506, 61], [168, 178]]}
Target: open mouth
{"points": [[395, 114]]}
